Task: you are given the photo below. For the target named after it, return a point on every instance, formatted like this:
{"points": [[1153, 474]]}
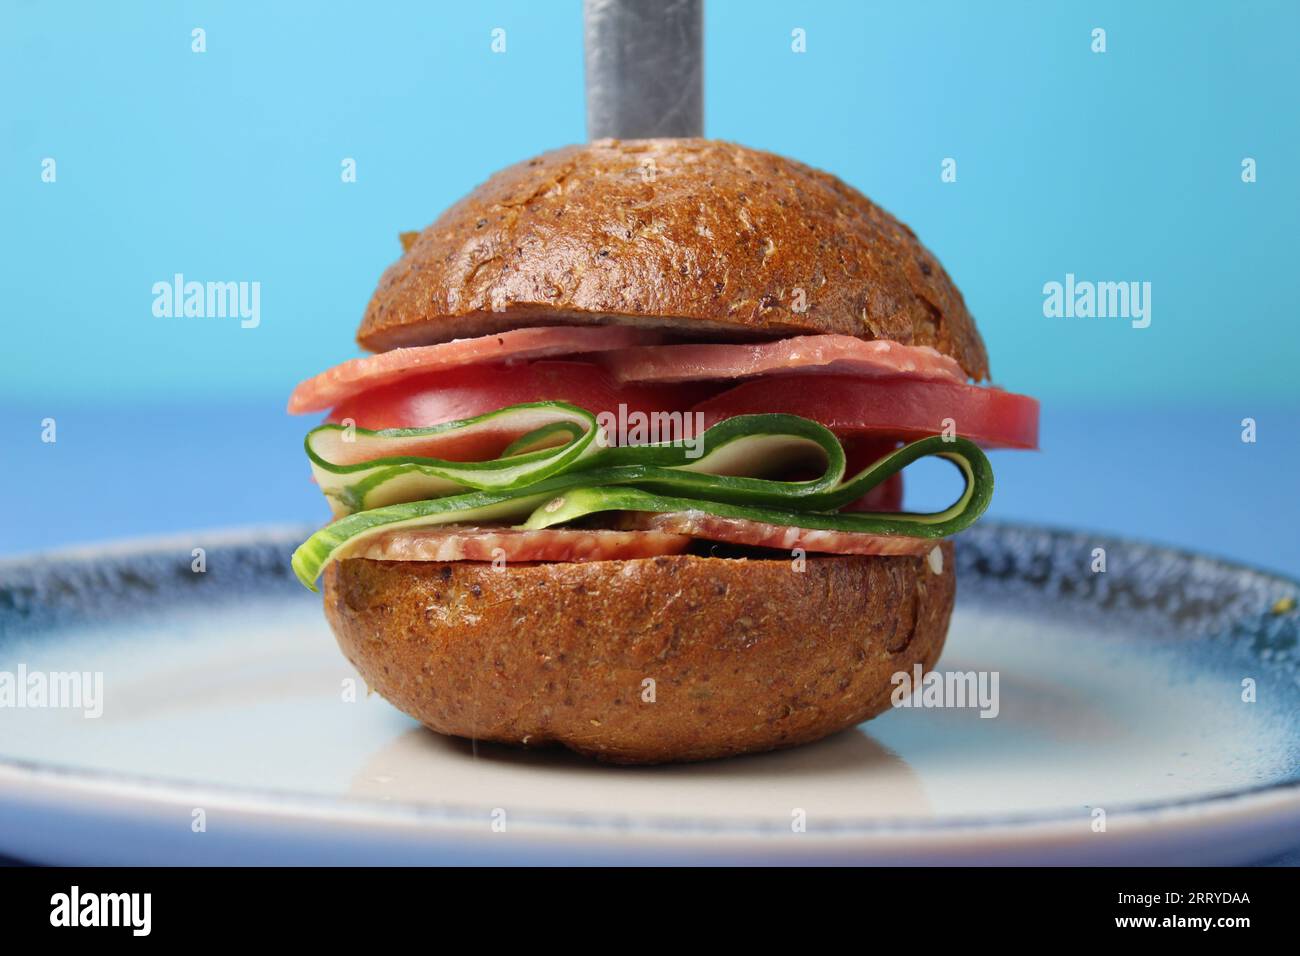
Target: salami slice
{"points": [[698, 524], [840, 354], [362, 374], [510, 545]]}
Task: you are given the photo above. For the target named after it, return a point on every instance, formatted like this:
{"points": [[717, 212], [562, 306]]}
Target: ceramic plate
{"points": [[1145, 714]]}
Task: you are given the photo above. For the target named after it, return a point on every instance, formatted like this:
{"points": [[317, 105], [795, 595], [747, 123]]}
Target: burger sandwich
{"points": [[624, 472]]}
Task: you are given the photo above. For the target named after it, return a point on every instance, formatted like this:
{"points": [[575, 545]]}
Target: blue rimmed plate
{"points": [[1147, 713]]}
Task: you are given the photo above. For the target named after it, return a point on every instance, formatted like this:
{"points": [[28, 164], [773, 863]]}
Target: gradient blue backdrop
{"points": [[225, 166]]}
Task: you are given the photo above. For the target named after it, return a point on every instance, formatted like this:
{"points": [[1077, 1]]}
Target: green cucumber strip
{"points": [[542, 438], [327, 544], [728, 454], [784, 495], [396, 475], [583, 490], [958, 516]]}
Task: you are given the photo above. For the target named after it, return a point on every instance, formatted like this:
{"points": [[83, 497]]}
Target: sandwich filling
{"points": [[570, 444]]}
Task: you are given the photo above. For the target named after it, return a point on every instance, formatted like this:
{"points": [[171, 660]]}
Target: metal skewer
{"points": [[645, 68]]}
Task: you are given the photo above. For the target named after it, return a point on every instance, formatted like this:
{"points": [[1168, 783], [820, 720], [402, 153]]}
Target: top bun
{"points": [[696, 236]]}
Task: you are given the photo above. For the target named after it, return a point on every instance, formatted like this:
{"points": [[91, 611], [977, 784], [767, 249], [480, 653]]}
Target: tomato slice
{"points": [[895, 407], [425, 400], [867, 450], [860, 452]]}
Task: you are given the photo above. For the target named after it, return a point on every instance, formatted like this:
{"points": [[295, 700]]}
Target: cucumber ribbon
{"points": [[563, 468]]}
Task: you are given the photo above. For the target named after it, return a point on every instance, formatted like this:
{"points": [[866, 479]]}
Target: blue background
{"points": [[226, 166]]}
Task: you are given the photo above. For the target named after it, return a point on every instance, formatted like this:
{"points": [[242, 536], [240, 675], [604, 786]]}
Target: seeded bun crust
{"points": [[744, 655], [700, 237]]}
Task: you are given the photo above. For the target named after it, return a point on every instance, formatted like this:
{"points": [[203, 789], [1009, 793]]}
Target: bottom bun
{"points": [[642, 661]]}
